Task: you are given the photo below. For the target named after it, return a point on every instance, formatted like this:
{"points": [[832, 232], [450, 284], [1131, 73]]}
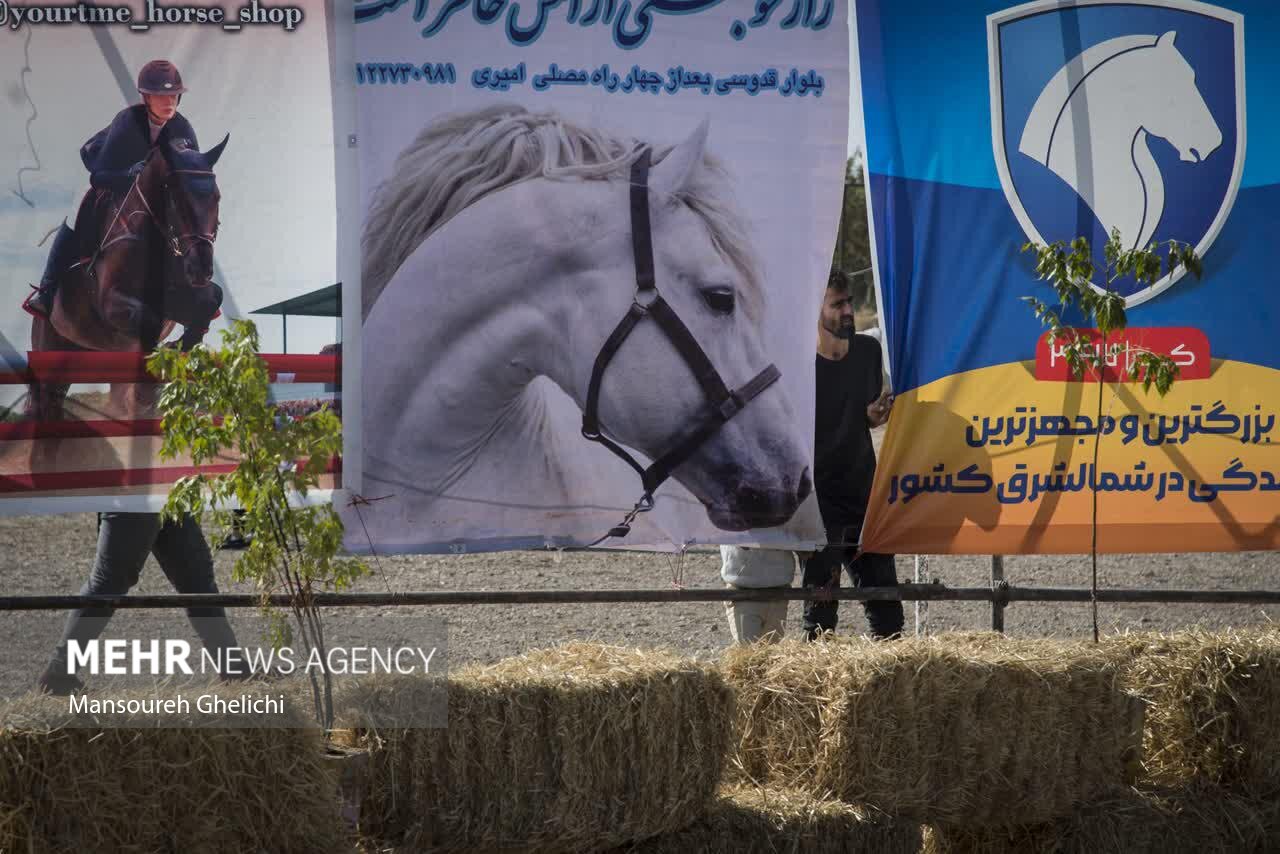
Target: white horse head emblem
{"points": [[1091, 123]]}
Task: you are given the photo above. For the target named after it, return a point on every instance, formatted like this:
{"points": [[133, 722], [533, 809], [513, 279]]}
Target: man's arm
{"points": [[878, 409]]}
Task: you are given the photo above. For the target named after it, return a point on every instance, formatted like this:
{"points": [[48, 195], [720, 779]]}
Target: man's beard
{"points": [[842, 330]]}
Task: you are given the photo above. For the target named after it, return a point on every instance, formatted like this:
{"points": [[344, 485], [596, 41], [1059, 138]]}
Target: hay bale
{"points": [[750, 820], [1199, 820], [1214, 707], [130, 786], [966, 729], [577, 748]]}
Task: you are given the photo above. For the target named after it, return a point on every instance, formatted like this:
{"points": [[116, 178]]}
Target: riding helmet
{"points": [[160, 77]]}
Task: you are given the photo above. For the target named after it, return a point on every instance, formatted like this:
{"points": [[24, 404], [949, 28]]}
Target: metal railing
{"points": [[1000, 594]]}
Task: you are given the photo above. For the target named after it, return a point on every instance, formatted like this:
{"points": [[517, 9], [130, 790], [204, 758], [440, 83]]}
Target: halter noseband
{"points": [[724, 403]]}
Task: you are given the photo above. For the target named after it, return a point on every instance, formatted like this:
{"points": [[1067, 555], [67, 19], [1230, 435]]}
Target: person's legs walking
{"points": [[124, 540], [182, 552]]}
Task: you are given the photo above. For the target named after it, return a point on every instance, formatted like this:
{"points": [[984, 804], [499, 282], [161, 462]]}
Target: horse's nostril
{"points": [[1195, 152], [805, 486]]}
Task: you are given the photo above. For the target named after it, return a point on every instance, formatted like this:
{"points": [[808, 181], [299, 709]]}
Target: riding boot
{"points": [[191, 336], [62, 254]]}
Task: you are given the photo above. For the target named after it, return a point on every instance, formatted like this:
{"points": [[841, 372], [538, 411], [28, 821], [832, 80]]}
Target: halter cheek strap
{"points": [[722, 402]]}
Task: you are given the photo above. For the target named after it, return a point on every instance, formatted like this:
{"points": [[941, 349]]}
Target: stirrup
{"points": [[31, 305]]}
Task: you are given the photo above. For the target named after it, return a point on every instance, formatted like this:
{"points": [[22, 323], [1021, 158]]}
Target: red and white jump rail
{"points": [[111, 455], [90, 367]]}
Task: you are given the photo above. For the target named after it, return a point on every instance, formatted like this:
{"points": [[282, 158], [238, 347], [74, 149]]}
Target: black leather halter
{"points": [[723, 403]]}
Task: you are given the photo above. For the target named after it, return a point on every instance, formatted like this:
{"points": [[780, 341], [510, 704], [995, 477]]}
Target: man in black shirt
{"points": [[850, 402]]}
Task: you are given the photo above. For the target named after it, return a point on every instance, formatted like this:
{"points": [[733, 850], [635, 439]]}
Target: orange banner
{"points": [[1197, 470]]}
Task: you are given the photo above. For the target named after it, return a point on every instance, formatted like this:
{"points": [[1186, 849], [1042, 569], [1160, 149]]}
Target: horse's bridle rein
{"points": [[167, 232], [724, 403]]}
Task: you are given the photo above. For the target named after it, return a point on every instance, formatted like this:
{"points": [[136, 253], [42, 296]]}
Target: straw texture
{"points": [[578, 748], [956, 729], [749, 820], [1201, 820], [144, 789], [1214, 707]]}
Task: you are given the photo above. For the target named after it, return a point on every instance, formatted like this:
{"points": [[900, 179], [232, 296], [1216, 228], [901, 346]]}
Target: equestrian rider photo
{"points": [[114, 157]]}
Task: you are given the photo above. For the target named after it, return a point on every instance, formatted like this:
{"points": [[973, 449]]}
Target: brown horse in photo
{"points": [[152, 268]]}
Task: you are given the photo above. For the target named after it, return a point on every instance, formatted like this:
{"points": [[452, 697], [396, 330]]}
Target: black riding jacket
{"points": [[113, 151]]}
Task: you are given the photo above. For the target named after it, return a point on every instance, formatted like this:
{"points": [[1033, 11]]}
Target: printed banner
{"points": [[551, 333], [125, 225], [991, 125]]}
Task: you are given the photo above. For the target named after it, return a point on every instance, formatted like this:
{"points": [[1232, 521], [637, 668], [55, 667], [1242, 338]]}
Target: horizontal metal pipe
{"points": [[905, 592]]}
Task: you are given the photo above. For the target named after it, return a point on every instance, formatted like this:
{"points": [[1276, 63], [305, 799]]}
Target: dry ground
{"points": [[53, 554]]}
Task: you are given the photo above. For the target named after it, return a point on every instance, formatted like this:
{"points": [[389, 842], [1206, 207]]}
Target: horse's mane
{"points": [[460, 159]]}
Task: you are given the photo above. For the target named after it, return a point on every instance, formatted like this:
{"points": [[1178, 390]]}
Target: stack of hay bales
{"points": [[750, 820], [1214, 713], [1196, 820], [1210, 778], [961, 730], [579, 748], [129, 786]]}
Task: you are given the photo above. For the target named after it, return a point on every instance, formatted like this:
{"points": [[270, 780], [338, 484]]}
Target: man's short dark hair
{"points": [[840, 283]]}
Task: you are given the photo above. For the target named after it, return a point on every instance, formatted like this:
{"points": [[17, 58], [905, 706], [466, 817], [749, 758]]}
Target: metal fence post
{"points": [[998, 586], [921, 606]]}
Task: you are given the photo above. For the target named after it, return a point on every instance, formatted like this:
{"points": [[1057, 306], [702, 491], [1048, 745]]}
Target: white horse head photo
{"points": [[498, 258], [1091, 125]]}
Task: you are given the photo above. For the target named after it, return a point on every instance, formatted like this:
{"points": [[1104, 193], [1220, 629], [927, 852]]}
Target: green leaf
{"points": [[215, 406]]}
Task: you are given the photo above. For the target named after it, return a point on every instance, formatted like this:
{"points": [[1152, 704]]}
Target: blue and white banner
{"points": [[496, 142], [990, 124]]}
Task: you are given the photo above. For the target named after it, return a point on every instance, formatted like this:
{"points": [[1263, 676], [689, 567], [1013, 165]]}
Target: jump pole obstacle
{"points": [[53, 366]]}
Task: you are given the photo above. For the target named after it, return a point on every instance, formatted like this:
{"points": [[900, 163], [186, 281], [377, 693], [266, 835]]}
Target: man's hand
{"points": [[878, 412]]}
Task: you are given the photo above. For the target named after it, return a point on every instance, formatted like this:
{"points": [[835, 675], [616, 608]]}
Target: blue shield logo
{"points": [[1125, 116]]}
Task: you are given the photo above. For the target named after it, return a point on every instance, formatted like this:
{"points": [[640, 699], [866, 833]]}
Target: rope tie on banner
{"points": [[356, 502], [676, 564]]}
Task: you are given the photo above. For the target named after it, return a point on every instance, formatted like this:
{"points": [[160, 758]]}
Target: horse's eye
{"points": [[719, 300]]}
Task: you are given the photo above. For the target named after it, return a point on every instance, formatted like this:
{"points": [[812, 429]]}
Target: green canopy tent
{"points": [[326, 302]]}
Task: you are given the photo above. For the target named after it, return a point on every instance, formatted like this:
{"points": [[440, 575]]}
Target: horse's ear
{"points": [[211, 156], [673, 173], [1166, 40]]}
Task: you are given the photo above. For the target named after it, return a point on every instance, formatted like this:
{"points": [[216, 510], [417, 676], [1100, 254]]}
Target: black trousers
{"points": [[866, 570], [124, 541]]}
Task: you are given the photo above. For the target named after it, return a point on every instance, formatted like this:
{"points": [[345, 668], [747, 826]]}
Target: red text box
{"points": [[1187, 346]]}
